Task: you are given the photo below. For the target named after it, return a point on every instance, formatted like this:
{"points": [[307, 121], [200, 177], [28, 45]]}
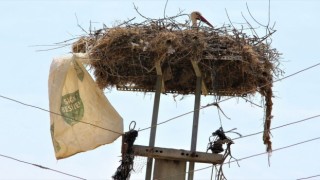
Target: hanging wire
{"points": [[216, 146], [281, 126], [173, 118], [284, 125], [309, 177], [244, 158], [42, 109], [123, 171], [134, 125], [226, 99], [42, 167]]}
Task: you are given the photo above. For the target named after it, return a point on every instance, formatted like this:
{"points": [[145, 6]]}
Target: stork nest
{"points": [[231, 62]]}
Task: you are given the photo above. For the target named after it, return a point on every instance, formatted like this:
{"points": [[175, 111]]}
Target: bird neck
{"points": [[194, 23]]}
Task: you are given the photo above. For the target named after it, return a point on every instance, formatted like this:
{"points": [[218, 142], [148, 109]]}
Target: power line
{"points": [[305, 69], [173, 118], [203, 107], [39, 166], [42, 167], [309, 177], [280, 79], [42, 109], [285, 147], [176, 117], [248, 157], [277, 127]]}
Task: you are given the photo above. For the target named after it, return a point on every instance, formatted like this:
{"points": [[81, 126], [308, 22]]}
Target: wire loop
{"points": [[134, 126]]}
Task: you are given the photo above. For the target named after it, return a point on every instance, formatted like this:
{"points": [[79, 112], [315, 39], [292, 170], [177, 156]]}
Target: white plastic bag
{"points": [[79, 109]]}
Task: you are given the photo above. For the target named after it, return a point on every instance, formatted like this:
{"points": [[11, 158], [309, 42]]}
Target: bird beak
{"points": [[201, 18]]}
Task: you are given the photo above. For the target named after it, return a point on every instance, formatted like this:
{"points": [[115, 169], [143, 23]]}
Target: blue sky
{"points": [[25, 133]]}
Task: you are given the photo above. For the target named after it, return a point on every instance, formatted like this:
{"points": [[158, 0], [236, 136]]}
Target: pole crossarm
{"points": [[177, 154]]}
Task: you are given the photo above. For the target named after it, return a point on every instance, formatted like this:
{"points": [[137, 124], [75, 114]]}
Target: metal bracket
{"points": [[177, 154], [155, 112], [198, 74], [159, 73]]}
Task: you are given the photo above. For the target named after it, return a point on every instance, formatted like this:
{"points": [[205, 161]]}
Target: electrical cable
{"points": [[25, 104], [309, 177], [280, 79], [42, 167], [176, 117], [42, 109], [277, 127], [285, 147], [305, 69], [173, 118], [247, 157]]}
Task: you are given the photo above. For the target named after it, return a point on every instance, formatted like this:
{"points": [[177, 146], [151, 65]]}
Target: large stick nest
{"points": [[231, 62]]}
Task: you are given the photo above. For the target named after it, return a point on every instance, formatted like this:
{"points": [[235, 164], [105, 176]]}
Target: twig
{"points": [[269, 9], [136, 8], [228, 153], [165, 7], [126, 22], [252, 102], [251, 27], [229, 18], [79, 24], [41, 50], [69, 39], [265, 37], [253, 16], [219, 108]]}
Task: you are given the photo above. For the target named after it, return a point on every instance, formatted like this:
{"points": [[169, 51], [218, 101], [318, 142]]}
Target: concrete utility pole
{"points": [[195, 117], [156, 103], [154, 124], [170, 164]]}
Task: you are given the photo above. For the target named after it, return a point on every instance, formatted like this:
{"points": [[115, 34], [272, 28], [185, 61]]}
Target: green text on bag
{"points": [[72, 108]]}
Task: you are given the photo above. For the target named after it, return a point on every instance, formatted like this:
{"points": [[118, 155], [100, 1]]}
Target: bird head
{"points": [[197, 16]]}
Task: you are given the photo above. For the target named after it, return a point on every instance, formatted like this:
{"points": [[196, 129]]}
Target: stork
{"points": [[197, 16]]}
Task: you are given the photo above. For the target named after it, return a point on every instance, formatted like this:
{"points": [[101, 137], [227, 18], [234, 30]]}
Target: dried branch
{"points": [[165, 8], [80, 25], [126, 22], [253, 16], [136, 8], [219, 109], [265, 37], [62, 46], [229, 19], [247, 100], [255, 34]]}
